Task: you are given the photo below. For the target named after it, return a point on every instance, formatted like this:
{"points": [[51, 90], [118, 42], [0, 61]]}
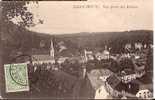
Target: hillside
{"points": [[17, 39]]}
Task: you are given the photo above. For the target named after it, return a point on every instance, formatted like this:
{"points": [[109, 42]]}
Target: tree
{"points": [[16, 18], [18, 11]]}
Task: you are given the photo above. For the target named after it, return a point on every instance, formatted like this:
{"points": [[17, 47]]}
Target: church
{"points": [[44, 58]]}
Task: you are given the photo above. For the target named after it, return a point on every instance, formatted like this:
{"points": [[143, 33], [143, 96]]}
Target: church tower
{"points": [[52, 49]]}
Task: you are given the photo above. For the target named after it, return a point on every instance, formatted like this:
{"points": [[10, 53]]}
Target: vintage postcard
{"points": [[79, 49]]}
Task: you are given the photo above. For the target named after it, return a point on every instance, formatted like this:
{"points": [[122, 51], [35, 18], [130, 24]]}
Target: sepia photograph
{"points": [[76, 50]]}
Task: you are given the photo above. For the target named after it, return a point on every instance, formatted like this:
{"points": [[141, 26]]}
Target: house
{"points": [[115, 87]]}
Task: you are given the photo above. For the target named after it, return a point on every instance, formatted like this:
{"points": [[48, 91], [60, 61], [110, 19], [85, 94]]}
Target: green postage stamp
{"points": [[16, 77]]}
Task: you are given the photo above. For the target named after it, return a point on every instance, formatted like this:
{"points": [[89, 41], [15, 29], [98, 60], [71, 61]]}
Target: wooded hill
{"points": [[16, 39]]}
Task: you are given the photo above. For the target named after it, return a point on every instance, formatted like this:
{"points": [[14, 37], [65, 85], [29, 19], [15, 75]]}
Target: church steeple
{"points": [[52, 49]]}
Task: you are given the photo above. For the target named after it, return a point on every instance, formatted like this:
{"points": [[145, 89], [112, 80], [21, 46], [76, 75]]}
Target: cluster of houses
{"points": [[87, 55], [105, 54]]}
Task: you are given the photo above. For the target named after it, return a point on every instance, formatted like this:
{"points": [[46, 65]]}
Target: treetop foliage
{"points": [[18, 11]]}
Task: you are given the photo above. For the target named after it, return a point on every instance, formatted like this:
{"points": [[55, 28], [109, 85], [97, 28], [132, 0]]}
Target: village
{"points": [[85, 66], [94, 75]]}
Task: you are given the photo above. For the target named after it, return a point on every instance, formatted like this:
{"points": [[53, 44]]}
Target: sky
{"points": [[63, 18]]}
